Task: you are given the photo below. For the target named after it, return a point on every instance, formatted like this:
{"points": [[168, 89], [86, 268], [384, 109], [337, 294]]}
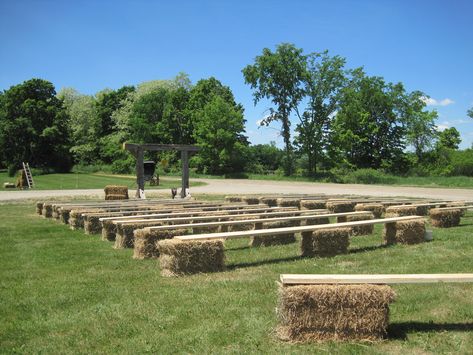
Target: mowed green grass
{"points": [[89, 181], [62, 291]]}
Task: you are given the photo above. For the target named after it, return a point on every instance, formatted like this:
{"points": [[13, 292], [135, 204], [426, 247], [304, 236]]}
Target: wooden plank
{"points": [[456, 208], [314, 279], [160, 147], [276, 231]]}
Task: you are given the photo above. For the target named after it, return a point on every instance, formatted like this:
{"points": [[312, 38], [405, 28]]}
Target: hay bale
{"points": [[119, 192], [47, 210], [39, 207], [56, 212], [325, 242], [64, 215], [376, 208], [270, 201], [92, 225], [445, 218], [208, 229], [145, 245], [277, 239], [124, 237], [289, 202], [399, 211], [190, 257], [313, 204], [76, 220], [333, 312], [250, 200], [241, 226], [114, 197], [338, 206], [233, 199], [316, 221], [457, 204], [361, 230], [109, 230], [422, 210], [404, 232]]}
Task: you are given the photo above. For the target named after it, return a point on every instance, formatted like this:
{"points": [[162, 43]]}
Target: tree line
{"points": [[345, 120]]}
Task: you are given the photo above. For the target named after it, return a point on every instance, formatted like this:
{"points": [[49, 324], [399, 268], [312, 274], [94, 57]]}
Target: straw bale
{"points": [[39, 207], [76, 220], [457, 204], [270, 201], [376, 208], [422, 210], [399, 211], [190, 257], [64, 215], [116, 190], [47, 210], [289, 202], [109, 230], [241, 226], [124, 236], [361, 230], [145, 246], [445, 218], [233, 199], [313, 204], [404, 232], [92, 225], [113, 197], [315, 221], [276, 239], [208, 229], [250, 200], [338, 206], [333, 312], [325, 242]]}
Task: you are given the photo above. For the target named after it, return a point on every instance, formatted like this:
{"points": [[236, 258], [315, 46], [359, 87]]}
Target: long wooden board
{"points": [[314, 279], [275, 231]]}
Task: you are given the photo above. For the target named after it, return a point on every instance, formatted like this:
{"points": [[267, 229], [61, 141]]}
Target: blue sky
{"points": [[92, 45]]}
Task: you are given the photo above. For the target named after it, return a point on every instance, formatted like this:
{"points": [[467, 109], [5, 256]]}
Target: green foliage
{"points": [[449, 138], [264, 157]]}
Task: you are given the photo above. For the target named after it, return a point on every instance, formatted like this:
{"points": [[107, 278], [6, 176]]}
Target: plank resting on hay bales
{"points": [[313, 204], [250, 200], [457, 204], [333, 312], [47, 210], [404, 232], [270, 201], [325, 242], [289, 202], [39, 207], [445, 218], [190, 257], [145, 245], [376, 208], [361, 230], [277, 239], [338, 206], [399, 211]]}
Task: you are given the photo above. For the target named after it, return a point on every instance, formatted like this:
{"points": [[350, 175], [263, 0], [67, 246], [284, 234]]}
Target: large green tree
{"points": [[33, 126], [278, 76], [449, 138]]}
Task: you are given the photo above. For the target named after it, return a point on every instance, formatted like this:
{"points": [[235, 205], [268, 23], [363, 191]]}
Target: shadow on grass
{"points": [[263, 262], [400, 330], [238, 248], [365, 249]]}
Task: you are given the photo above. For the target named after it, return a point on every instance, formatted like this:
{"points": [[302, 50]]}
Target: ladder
{"points": [[29, 177]]}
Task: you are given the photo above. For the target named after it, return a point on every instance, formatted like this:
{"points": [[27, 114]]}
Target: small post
{"points": [[185, 172], [140, 173]]}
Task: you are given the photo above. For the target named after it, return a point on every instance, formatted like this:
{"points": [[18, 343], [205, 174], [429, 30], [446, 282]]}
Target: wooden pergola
{"points": [[138, 151]]}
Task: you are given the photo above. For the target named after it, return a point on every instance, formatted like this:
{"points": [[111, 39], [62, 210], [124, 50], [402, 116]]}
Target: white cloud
{"points": [[433, 102], [441, 127]]}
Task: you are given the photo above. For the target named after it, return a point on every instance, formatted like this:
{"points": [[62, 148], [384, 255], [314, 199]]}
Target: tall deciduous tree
{"points": [[324, 81], [278, 76], [449, 138]]}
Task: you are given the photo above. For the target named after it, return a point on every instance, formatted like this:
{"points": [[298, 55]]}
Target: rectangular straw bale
{"points": [[376, 208], [250, 200], [404, 232], [76, 220], [315, 221], [313, 204], [399, 211], [270, 201], [39, 207], [64, 215], [457, 204], [119, 190], [47, 210], [241, 226], [92, 225], [55, 214], [361, 230], [114, 197], [145, 246], [190, 257], [445, 218], [124, 237], [311, 313], [422, 210], [208, 229], [289, 202], [338, 206], [233, 199], [277, 239], [109, 230], [325, 242]]}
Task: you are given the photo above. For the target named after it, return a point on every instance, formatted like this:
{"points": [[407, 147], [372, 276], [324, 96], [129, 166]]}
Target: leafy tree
{"points": [[33, 126], [449, 138], [323, 84], [108, 101], [265, 157], [278, 76]]}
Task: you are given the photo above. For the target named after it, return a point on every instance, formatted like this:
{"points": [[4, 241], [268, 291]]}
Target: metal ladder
{"points": [[29, 177]]}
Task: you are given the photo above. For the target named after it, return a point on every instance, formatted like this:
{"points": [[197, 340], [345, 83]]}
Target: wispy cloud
{"points": [[441, 127], [433, 102]]}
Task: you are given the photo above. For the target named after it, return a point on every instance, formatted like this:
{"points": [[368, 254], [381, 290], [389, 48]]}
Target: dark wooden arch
{"points": [[138, 151]]}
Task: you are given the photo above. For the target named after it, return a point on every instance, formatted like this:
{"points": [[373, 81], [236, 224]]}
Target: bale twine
{"points": [[233, 198], [145, 245], [289, 202], [119, 192], [250, 200], [325, 242], [404, 232], [361, 230], [39, 207], [340, 206], [270, 201], [399, 211], [376, 208], [445, 218], [333, 312], [276, 239], [313, 204], [47, 210], [190, 257], [109, 230]]}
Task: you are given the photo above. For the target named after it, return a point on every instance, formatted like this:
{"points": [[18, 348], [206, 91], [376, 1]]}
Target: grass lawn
{"points": [[62, 291], [90, 181]]}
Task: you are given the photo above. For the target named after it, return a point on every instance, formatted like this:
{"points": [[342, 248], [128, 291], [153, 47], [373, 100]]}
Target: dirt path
{"points": [[233, 186]]}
